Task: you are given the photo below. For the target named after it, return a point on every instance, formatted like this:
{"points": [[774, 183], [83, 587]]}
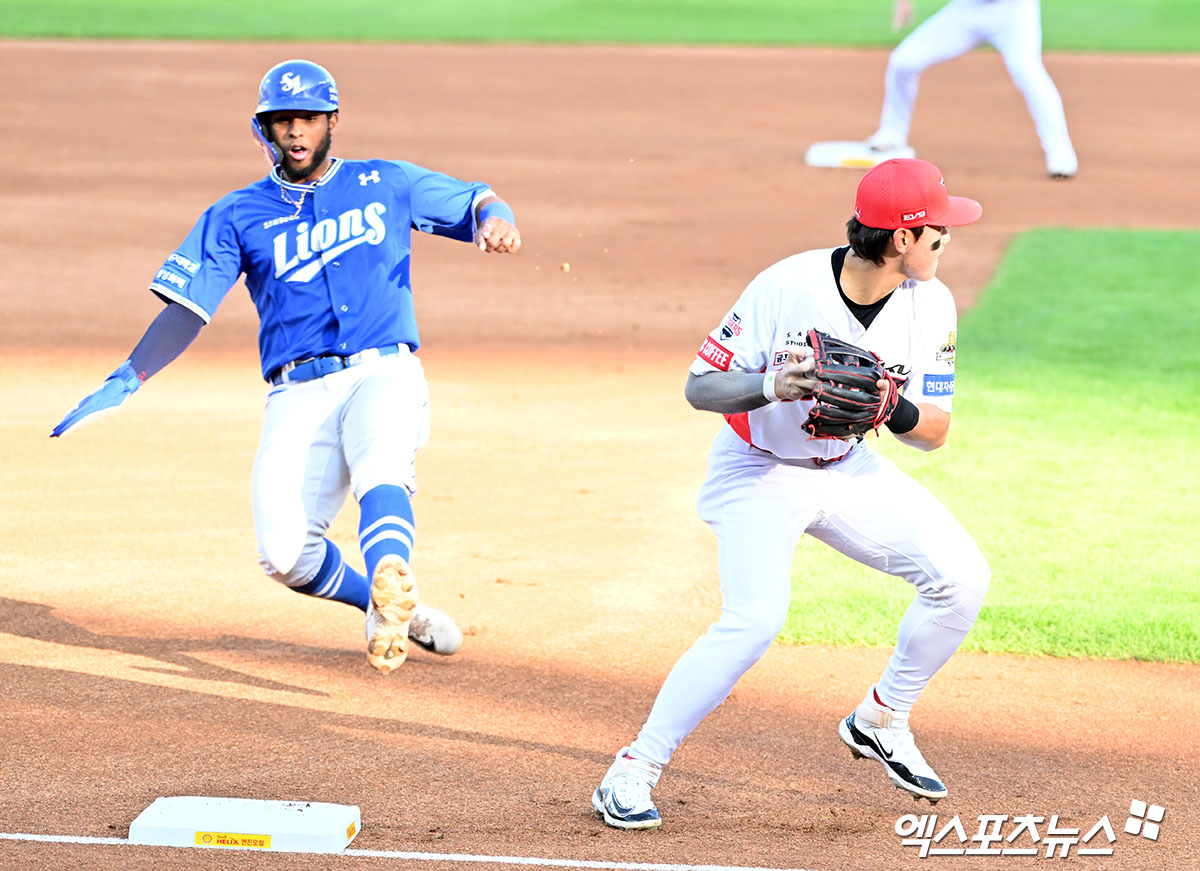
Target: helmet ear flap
{"points": [[262, 138]]}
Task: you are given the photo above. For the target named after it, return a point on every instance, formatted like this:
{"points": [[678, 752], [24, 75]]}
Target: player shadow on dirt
{"points": [[486, 684], [36, 621], [479, 684]]}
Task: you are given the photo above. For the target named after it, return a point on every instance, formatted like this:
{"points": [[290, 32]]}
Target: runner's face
{"points": [[919, 258], [304, 138]]}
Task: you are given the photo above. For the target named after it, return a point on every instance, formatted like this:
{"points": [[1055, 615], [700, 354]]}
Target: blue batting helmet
{"points": [[293, 84]]}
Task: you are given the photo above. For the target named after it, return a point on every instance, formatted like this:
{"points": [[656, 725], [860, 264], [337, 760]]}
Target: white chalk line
{"points": [[432, 857], [60, 839]]}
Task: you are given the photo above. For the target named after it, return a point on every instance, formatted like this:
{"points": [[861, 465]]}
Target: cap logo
{"points": [[912, 216], [290, 83]]}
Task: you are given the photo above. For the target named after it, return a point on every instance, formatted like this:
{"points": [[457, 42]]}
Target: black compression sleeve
{"points": [[166, 338], [904, 418]]}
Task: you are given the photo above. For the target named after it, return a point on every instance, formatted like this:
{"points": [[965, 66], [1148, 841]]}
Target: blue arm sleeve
{"points": [[166, 338]]}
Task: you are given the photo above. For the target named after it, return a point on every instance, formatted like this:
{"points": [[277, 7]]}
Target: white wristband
{"points": [[769, 386]]}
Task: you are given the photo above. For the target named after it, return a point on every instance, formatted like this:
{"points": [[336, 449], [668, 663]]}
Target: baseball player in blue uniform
{"points": [[324, 245]]}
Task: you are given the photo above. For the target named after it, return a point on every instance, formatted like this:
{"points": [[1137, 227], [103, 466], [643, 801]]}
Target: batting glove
{"points": [[102, 401]]}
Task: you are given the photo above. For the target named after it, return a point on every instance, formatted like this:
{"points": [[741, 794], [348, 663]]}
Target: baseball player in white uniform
{"points": [[1014, 28], [769, 483]]}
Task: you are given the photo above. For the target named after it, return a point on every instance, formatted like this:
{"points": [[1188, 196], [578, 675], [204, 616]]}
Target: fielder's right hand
{"points": [[797, 379]]}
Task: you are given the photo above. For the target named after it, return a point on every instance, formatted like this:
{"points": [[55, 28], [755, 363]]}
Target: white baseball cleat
{"points": [[1063, 165], [876, 732], [434, 630], [887, 145], [623, 799], [854, 155], [393, 601]]}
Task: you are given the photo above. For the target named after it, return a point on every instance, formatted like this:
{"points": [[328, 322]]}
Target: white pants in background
{"points": [[1014, 28]]}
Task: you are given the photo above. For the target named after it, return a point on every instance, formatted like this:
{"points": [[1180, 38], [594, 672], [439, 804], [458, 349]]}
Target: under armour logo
{"points": [[290, 83], [363, 178]]}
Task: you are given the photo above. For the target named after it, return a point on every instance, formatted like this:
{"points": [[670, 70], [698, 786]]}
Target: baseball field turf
{"points": [[1088, 25], [1072, 459]]}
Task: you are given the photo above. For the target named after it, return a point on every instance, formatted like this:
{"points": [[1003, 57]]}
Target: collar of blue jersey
{"points": [[335, 164]]}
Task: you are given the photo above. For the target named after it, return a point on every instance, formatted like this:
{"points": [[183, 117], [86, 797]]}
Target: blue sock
{"points": [[336, 580], [386, 525]]}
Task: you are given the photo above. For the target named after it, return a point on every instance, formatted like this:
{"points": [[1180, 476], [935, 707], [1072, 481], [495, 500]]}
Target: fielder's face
{"points": [[919, 257], [304, 138]]}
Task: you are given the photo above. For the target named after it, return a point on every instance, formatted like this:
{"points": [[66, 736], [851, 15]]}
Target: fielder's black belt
{"points": [[308, 368]]}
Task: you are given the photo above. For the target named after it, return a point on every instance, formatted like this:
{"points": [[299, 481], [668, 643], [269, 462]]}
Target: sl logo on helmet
{"points": [[290, 83]]}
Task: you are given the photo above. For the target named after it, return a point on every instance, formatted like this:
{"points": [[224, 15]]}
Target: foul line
{"points": [[60, 839], [430, 857]]}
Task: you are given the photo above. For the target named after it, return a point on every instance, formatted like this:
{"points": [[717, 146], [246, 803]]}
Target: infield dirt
{"points": [[142, 651]]}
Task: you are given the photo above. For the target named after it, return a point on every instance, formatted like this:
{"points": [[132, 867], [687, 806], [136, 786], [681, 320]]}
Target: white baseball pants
{"points": [[357, 428], [1014, 27], [864, 507]]}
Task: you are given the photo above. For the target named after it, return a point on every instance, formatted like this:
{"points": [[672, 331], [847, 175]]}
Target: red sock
{"points": [[880, 701]]}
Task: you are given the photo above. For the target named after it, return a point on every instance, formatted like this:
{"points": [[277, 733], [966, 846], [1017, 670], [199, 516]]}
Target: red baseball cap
{"points": [[905, 192]]}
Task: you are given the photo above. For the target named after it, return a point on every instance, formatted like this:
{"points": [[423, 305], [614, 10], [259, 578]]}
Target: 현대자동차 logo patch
{"points": [[938, 385]]}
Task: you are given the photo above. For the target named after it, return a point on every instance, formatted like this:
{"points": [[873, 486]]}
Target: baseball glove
{"points": [[847, 399]]}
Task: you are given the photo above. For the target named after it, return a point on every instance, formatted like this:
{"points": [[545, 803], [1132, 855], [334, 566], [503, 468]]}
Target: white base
{"points": [[851, 154], [247, 824]]}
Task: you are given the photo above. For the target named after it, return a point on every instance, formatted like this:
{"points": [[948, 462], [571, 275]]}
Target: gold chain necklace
{"points": [[303, 194], [298, 204]]}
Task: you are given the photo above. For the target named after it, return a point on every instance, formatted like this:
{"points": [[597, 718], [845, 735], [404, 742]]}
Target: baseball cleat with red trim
{"points": [[876, 732]]}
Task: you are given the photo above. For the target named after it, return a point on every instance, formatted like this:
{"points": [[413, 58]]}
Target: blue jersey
{"points": [[329, 277]]}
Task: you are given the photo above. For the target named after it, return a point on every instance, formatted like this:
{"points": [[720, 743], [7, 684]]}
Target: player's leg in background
{"points": [[299, 484], [1018, 38], [946, 34], [752, 507], [886, 520]]}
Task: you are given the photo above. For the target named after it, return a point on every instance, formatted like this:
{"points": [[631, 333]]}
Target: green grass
{"points": [[1098, 25], [1072, 459]]}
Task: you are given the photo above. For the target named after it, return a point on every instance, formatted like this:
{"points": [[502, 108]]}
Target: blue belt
{"points": [[318, 367]]}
